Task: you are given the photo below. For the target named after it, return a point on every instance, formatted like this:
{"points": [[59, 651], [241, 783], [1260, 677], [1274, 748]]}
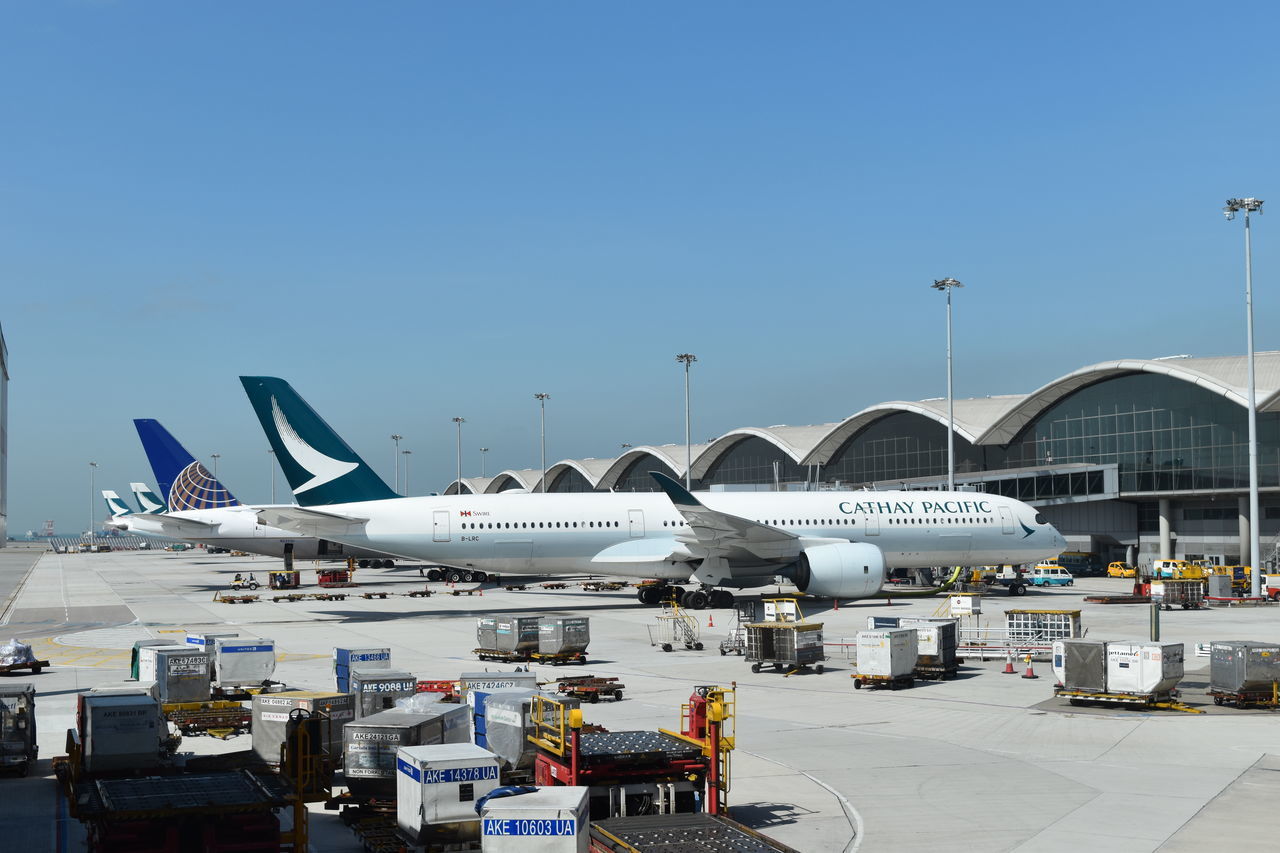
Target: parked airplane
{"points": [[196, 507], [833, 544], [116, 505]]}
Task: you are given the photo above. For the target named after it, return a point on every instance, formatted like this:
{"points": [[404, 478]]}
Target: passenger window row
{"points": [[524, 525]]}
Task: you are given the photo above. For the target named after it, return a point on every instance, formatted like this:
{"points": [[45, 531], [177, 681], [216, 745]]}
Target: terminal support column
{"points": [[1166, 541], [1246, 558]]}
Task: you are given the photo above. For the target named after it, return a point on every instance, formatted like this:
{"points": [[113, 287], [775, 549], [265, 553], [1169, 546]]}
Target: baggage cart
{"points": [[674, 628], [34, 665], [793, 646], [1187, 594], [18, 747], [1247, 698], [590, 688], [736, 642]]}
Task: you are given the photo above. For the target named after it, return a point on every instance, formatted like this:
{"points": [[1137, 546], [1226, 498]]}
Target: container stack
{"points": [[378, 689], [370, 744], [436, 791], [271, 717], [347, 659], [937, 642], [181, 673]]}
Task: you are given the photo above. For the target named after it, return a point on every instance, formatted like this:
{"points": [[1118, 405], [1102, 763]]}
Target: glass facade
{"points": [[751, 460], [636, 476], [570, 480], [900, 447], [1163, 433]]}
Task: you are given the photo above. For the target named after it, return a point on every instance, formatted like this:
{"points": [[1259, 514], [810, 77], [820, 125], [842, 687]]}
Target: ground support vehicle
{"points": [[312, 596], [1187, 594], [1248, 698], [1121, 570], [938, 671], [221, 719], [419, 593], [603, 586], [793, 646], [1167, 701], [679, 832], [675, 628], [249, 583], [334, 577], [284, 579], [448, 690], [527, 656], [34, 665], [236, 599], [18, 747], [590, 688], [883, 682]]}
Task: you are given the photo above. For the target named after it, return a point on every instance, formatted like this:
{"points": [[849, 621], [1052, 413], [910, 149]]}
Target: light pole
{"points": [[483, 451], [93, 476], [215, 457], [271, 461], [542, 404], [395, 457], [948, 284], [406, 454], [1250, 205], [687, 358], [459, 422]]}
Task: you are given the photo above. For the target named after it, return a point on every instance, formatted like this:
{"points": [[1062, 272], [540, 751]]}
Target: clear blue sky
{"points": [[418, 210]]}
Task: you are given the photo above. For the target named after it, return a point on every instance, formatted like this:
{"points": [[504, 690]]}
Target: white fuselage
{"points": [[565, 533], [237, 528]]}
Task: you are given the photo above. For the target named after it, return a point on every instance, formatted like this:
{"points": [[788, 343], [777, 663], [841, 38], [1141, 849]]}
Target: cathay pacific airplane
{"points": [[831, 544], [116, 505], [197, 508]]}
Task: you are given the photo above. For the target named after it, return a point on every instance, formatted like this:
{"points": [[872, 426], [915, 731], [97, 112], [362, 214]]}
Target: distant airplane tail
{"points": [[183, 481], [321, 468], [150, 502], [116, 504]]}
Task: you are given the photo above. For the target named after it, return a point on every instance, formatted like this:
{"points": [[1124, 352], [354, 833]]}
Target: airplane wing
{"points": [[310, 522], [176, 526], [731, 537]]}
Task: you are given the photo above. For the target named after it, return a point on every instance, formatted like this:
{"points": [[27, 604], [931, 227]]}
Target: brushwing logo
{"points": [[149, 502], [323, 469], [1024, 527]]}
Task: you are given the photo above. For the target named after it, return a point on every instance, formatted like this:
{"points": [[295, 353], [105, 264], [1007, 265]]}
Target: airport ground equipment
{"points": [[378, 689], [886, 658], [793, 646], [119, 731], [284, 579], [212, 812], [16, 656], [674, 627], [182, 673], [437, 788], [708, 721], [448, 690], [18, 745], [243, 661], [346, 658], [370, 745], [541, 820], [590, 688], [662, 833], [736, 641], [1244, 673], [937, 641], [272, 711], [329, 578], [1187, 594], [218, 718], [1123, 673], [564, 635]]}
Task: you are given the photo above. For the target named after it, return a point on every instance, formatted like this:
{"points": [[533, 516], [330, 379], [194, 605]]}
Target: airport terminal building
{"points": [[1133, 456]]}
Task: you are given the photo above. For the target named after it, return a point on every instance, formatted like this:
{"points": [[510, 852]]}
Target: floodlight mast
{"points": [[1250, 205], [687, 358], [948, 284]]}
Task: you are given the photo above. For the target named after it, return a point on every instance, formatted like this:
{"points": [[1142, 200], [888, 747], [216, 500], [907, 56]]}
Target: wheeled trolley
{"points": [[1247, 698], [675, 628], [590, 688], [883, 682], [785, 645]]}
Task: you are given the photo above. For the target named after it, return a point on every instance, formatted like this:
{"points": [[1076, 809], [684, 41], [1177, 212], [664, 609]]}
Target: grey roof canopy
{"points": [[992, 420]]}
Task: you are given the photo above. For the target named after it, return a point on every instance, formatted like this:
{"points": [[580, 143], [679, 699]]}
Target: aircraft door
{"points": [[440, 526], [872, 523], [1006, 520], [635, 523]]}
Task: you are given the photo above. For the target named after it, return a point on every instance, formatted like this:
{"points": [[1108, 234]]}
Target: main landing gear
{"points": [[456, 576], [691, 599]]}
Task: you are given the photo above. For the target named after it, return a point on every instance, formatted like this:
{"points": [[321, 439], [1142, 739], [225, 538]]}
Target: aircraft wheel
{"points": [[388, 564], [722, 599], [640, 595], [479, 577], [455, 576], [363, 564], [696, 600], [433, 574]]}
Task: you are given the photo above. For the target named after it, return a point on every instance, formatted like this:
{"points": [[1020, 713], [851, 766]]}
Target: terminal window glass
{"points": [[636, 476], [900, 447], [751, 460]]}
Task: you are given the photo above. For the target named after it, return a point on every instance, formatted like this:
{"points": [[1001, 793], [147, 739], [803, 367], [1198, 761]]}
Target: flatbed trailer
{"points": [[1167, 701], [590, 688], [675, 832], [527, 657], [1247, 698], [883, 682], [34, 665], [220, 718], [938, 671]]}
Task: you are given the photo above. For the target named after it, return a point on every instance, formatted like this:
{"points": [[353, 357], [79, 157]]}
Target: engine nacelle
{"points": [[840, 570]]}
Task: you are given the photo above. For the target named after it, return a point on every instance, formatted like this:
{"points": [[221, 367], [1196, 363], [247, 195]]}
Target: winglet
{"points": [[680, 496]]}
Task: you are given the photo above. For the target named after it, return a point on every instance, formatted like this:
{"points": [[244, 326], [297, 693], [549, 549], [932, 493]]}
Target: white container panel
{"points": [[549, 820], [890, 652], [440, 784]]}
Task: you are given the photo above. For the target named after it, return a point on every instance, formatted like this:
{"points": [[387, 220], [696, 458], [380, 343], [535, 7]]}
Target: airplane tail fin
{"points": [[115, 504], [183, 481], [149, 501], [322, 469]]}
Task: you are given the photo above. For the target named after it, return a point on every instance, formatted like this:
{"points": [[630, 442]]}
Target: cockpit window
{"points": [[1040, 519]]}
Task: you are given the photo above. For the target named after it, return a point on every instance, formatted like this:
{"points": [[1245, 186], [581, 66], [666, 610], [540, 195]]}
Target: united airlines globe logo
{"points": [[195, 488]]}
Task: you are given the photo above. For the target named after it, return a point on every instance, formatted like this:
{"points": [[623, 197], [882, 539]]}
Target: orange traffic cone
{"points": [[711, 620], [1008, 664], [1030, 673]]}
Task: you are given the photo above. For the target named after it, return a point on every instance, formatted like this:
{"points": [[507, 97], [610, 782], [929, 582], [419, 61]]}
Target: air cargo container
{"points": [[1145, 669], [347, 659], [370, 744], [564, 635], [181, 673], [1081, 665], [886, 658], [437, 788], [377, 690], [243, 661], [1243, 672], [271, 716], [547, 820], [120, 732]]}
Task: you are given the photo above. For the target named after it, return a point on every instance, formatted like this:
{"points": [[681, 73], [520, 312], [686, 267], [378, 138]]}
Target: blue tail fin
{"points": [[321, 468], [116, 504], [183, 481]]}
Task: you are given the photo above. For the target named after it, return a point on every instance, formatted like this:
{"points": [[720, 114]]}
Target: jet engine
{"points": [[840, 570]]}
